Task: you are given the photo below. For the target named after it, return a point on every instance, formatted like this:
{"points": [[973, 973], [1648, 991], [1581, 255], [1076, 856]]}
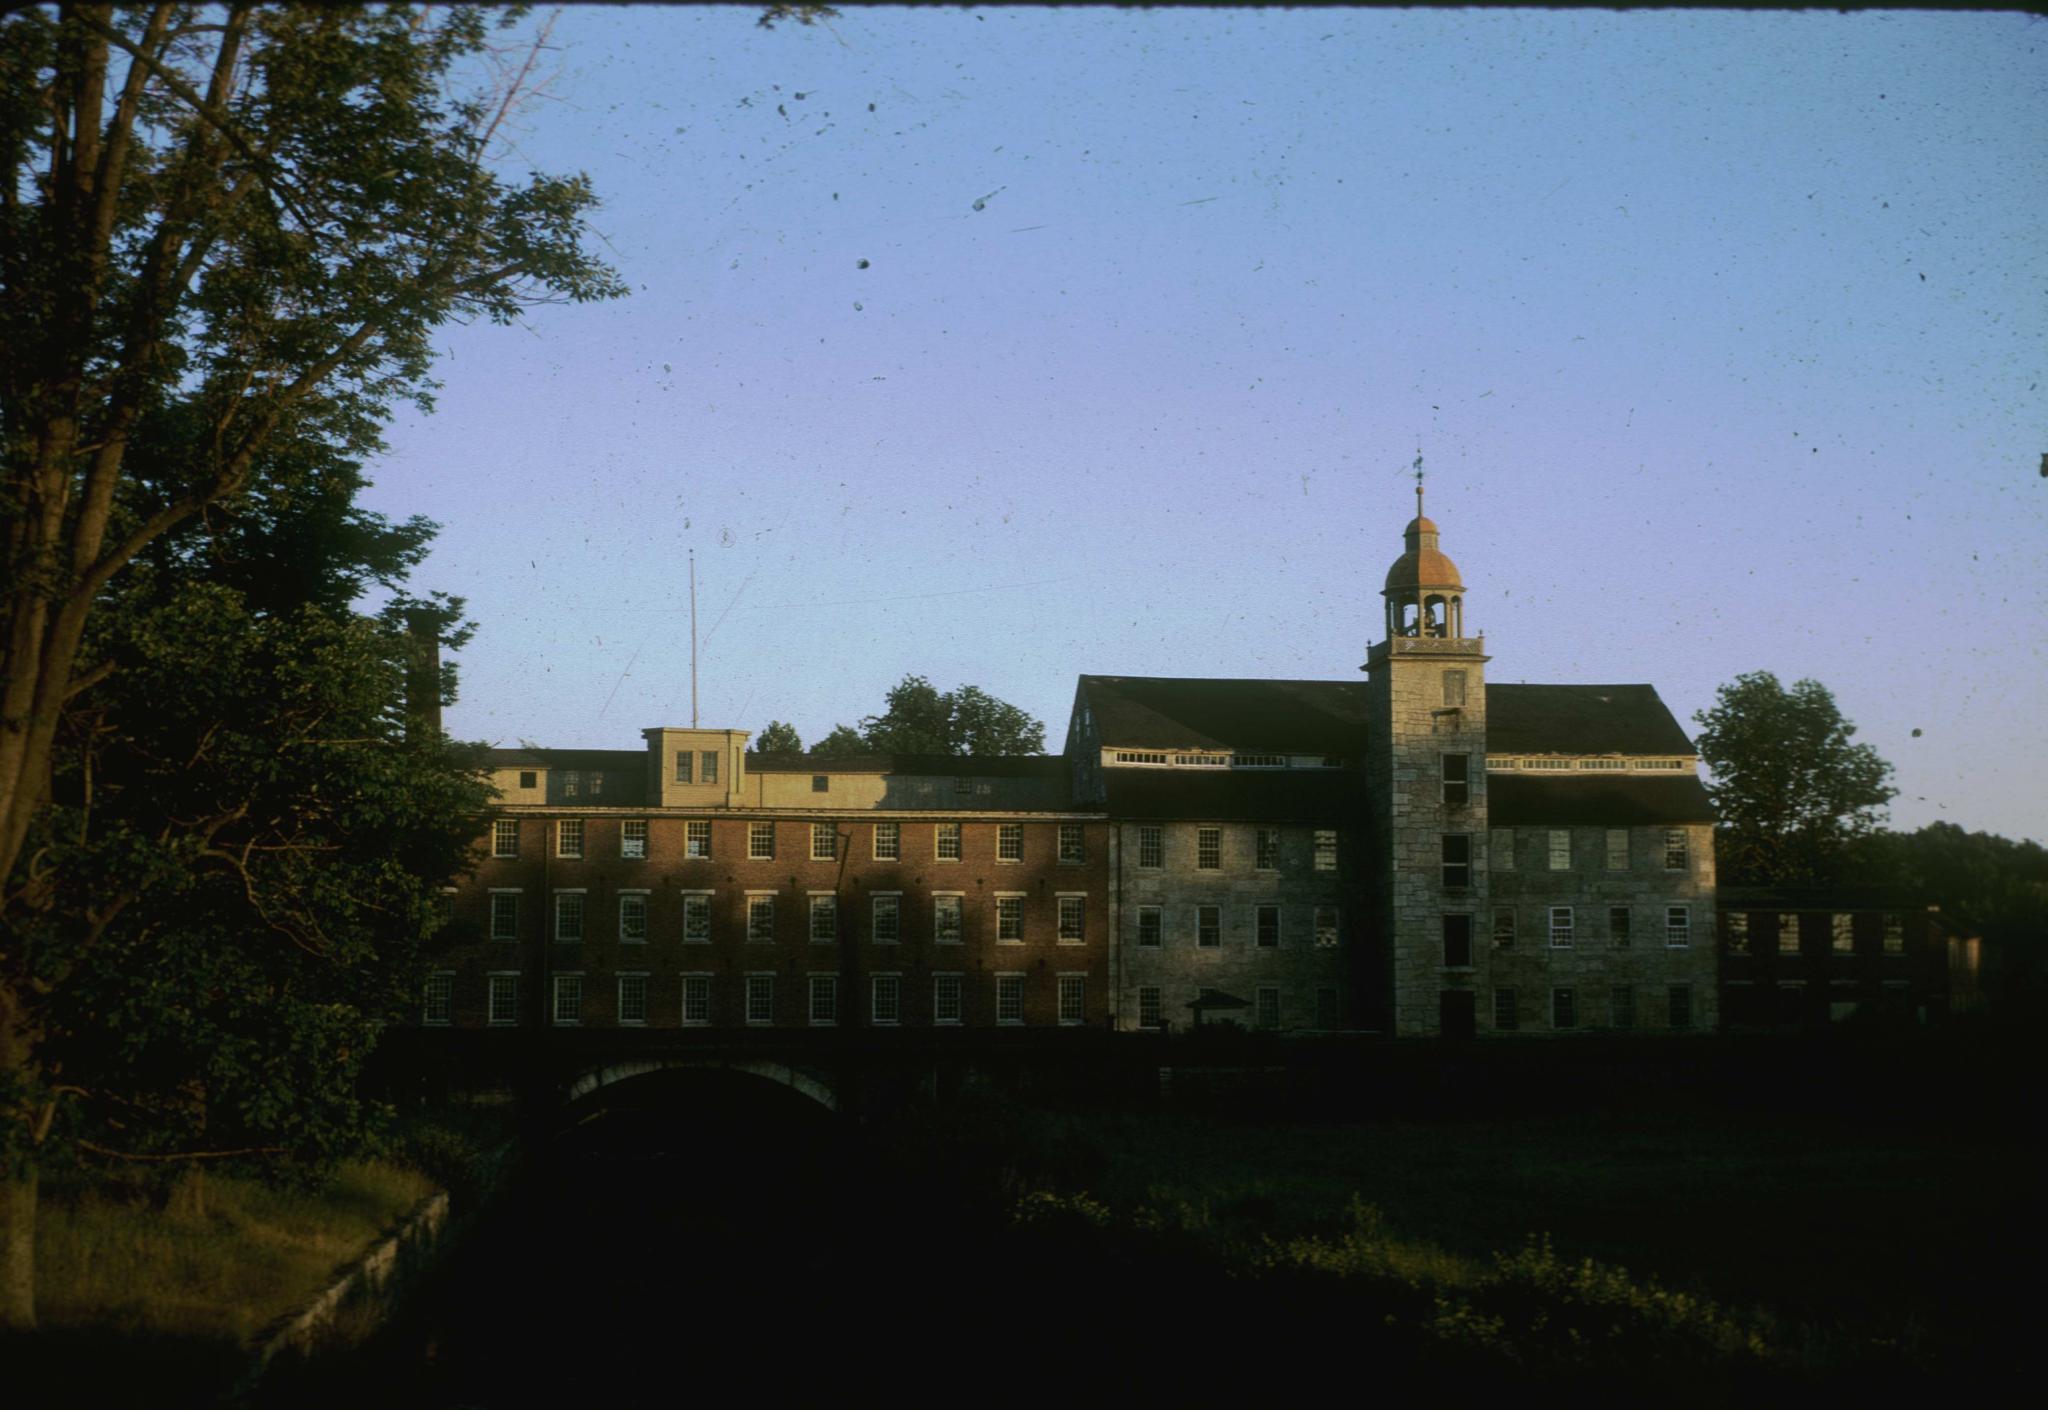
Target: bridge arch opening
{"points": [[796, 1080]]}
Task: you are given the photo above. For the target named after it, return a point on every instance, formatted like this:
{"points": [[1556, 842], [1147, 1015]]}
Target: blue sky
{"points": [[1004, 345]]}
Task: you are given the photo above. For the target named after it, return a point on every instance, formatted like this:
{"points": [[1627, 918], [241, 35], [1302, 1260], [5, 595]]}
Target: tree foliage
{"points": [[921, 719], [1792, 791], [226, 238], [778, 738]]}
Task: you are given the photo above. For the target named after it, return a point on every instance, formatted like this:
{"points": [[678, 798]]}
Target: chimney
{"points": [[422, 674]]}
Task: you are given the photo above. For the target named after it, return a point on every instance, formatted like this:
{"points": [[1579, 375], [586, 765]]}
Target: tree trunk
{"points": [[18, 1252]]}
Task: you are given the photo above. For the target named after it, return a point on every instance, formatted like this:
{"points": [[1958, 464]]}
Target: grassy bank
{"points": [[217, 1259]]}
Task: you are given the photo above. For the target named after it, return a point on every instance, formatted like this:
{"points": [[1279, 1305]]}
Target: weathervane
{"points": [[1418, 482]]}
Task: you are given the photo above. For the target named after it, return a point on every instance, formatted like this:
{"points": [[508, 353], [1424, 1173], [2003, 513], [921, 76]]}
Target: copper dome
{"points": [[1423, 565]]}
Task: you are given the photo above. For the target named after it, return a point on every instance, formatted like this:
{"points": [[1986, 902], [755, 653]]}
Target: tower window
{"points": [[1454, 688], [1457, 941], [1457, 861], [1457, 785]]}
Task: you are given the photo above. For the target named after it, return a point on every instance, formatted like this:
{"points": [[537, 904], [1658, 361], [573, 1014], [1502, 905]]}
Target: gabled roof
{"points": [[1256, 716], [1580, 719], [1516, 800]]}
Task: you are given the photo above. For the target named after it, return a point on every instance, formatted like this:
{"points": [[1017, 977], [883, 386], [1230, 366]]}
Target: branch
{"points": [[109, 1153]]}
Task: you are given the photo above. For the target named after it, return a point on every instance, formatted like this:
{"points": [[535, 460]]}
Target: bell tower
{"points": [[1426, 794]]}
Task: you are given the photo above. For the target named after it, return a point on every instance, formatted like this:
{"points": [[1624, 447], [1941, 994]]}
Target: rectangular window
{"points": [[1009, 998], [1266, 1011], [760, 918], [1788, 933], [1010, 919], [761, 842], [1560, 849], [1329, 1009], [824, 999], [1895, 935], [1267, 920], [1505, 1019], [439, 1005], [946, 919], [504, 838], [632, 918], [1502, 846], [696, 999], [1618, 926], [1617, 849], [1681, 1006], [760, 998], [1457, 781], [569, 837], [1073, 919], [504, 916], [1151, 847], [1677, 927], [1208, 926], [821, 783], [697, 917], [568, 1009], [1504, 928], [1326, 927], [572, 783], [1268, 856], [1208, 848], [1073, 999], [888, 841], [824, 842], [1010, 842], [1842, 934], [1676, 855], [697, 840], [1457, 861], [1326, 849], [684, 772], [1454, 689], [709, 773], [1564, 1008], [633, 839], [1560, 927], [632, 999], [529, 778], [1736, 924], [1148, 927], [887, 926], [1150, 1013], [503, 1000], [1457, 941], [1073, 846], [885, 1000], [946, 842], [824, 919], [1621, 1007], [945, 998], [568, 915]]}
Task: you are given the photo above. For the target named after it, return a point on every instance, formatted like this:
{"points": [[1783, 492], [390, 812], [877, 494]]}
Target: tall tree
{"points": [[226, 236], [841, 742], [1792, 791], [921, 719], [778, 738]]}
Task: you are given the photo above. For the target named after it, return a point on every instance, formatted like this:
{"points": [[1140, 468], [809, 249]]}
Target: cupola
{"points": [[1425, 596]]}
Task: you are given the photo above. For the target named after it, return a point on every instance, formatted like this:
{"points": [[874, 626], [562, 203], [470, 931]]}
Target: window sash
{"points": [[1010, 842], [945, 998], [1560, 849], [1505, 1017], [760, 918], [1073, 843], [885, 999], [697, 839], [569, 910], [1149, 927], [504, 917], [1326, 849], [1457, 930], [1619, 920], [824, 918], [1677, 927], [1617, 849], [1457, 861], [632, 998], [761, 842], [946, 842], [1150, 1009], [1327, 927], [1073, 917], [696, 998], [568, 1005], [633, 919], [1268, 857], [1073, 999], [504, 838], [1009, 998], [946, 912], [1209, 848], [888, 919], [1564, 1008], [1009, 918], [1560, 927], [1267, 920], [1208, 927], [1151, 847], [569, 837], [888, 842], [760, 998], [824, 1004], [1677, 854], [438, 1004], [633, 839], [824, 842], [501, 999]]}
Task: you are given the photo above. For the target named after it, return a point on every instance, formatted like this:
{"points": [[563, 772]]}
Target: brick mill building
{"points": [[1419, 853]]}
